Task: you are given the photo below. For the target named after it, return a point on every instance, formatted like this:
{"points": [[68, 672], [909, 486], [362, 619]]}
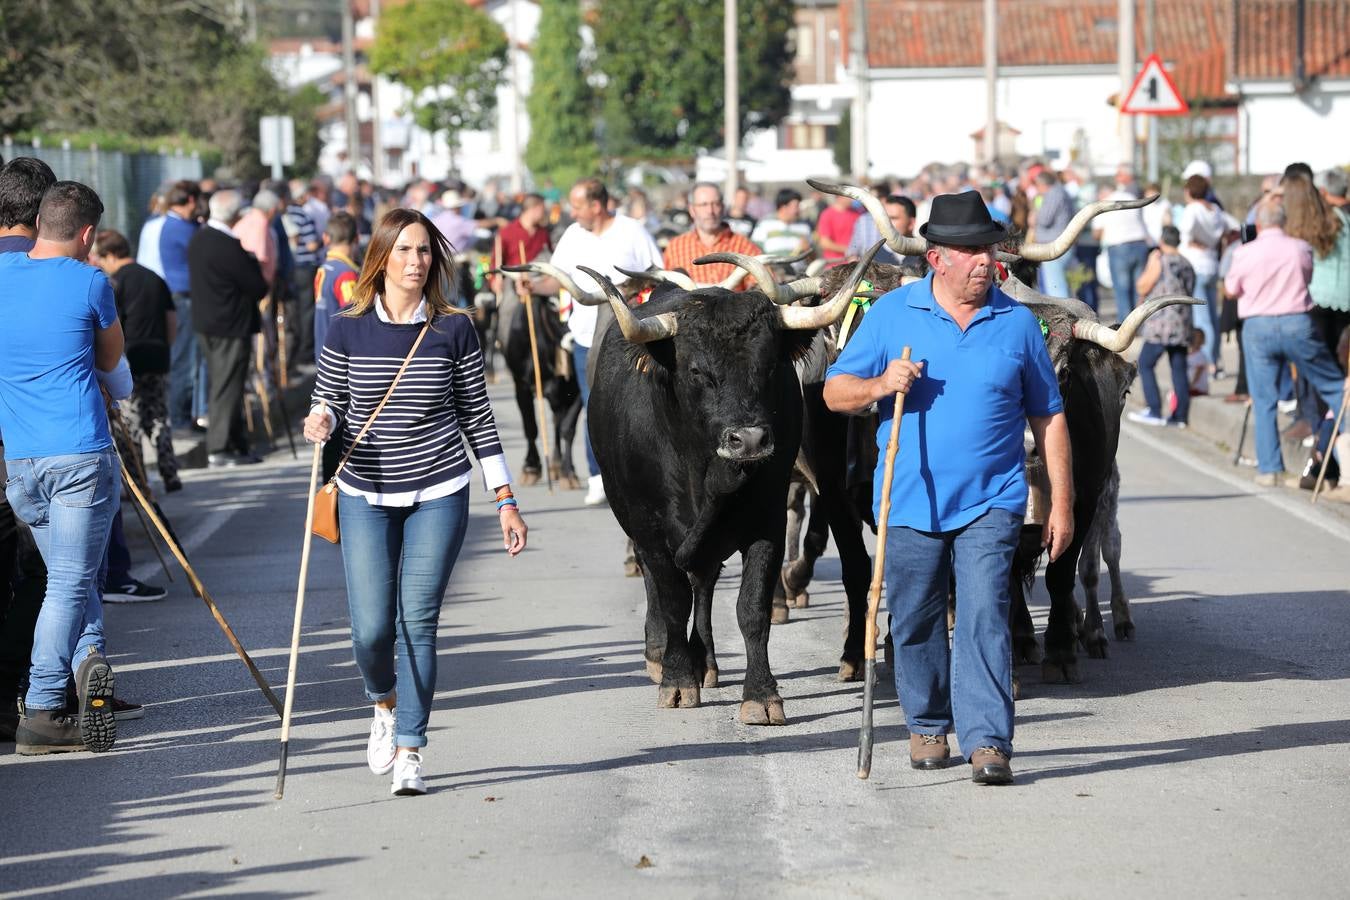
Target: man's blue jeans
{"points": [[1055, 277], [1268, 343], [1127, 263], [187, 369], [398, 561], [1149, 355], [970, 685], [68, 503], [579, 354]]}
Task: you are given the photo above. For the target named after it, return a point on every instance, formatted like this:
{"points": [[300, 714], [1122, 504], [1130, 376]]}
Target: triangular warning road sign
{"points": [[1154, 92]]}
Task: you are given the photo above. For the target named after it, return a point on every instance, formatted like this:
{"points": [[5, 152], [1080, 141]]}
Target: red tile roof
{"points": [[1192, 35], [1266, 45]]}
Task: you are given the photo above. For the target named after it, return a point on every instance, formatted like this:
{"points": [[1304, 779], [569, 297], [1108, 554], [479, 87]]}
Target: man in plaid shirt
{"points": [[711, 234]]}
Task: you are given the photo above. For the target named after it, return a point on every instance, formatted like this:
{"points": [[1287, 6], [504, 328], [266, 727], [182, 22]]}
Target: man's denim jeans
{"points": [[1127, 263], [579, 357], [1055, 277], [970, 686], [187, 369], [1206, 317], [398, 561], [1269, 342], [68, 502]]}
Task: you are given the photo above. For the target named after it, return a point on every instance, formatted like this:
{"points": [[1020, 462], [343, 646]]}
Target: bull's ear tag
{"points": [[1045, 328]]}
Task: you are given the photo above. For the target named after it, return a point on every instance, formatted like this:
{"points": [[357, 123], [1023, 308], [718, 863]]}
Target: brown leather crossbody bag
{"points": [[326, 500]]}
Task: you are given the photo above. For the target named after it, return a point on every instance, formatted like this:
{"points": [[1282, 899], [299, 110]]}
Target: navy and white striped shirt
{"points": [[414, 451]]}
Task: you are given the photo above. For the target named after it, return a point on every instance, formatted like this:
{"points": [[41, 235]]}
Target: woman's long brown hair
{"points": [[440, 280], [1308, 216]]}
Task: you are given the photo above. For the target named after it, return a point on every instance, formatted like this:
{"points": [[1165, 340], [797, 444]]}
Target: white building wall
{"points": [[1280, 128]]}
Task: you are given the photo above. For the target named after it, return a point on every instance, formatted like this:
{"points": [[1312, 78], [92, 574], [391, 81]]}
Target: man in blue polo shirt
{"points": [[61, 331], [980, 373]]}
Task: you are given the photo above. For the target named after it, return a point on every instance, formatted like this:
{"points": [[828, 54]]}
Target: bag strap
{"points": [[387, 394]]}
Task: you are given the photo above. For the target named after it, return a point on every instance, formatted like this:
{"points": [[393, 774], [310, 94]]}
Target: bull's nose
{"points": [[754, 442]]}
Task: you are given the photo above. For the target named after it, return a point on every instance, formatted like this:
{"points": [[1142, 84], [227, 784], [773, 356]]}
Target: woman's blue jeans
{"points": [[68, 503], [1148, 379], [398, 561], [970, 686]]}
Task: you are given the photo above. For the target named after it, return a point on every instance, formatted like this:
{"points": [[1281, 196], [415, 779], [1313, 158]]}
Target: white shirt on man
{"points": [[624, 244], [1124, 226]]}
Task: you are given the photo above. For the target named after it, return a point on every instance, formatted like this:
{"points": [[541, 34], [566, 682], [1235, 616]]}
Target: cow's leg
{"points": [[760, 704], [1061, 663], [532, 470], [565, 424], [701, 648], [1092, 633], [855, 564], [796, 514], [1025, 649], [670, 585], [797, 575], [1120, 606]]}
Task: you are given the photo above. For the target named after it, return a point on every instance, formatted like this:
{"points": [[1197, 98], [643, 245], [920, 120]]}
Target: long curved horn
{"points": [[817, 266], [902, 245], [662, 276], [758, 269], [1015, 289], [549, 270], [635, 330], [807, 317], [1060, 245], [785, 261], [1118, 339]]}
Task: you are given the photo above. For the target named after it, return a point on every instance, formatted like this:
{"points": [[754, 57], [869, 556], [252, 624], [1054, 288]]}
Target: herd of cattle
{"points": [[707, 420]]}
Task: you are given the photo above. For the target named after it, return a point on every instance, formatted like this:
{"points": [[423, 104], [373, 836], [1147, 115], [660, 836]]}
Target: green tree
{"points": [[662, 64], [561, 103], [451, 56]]}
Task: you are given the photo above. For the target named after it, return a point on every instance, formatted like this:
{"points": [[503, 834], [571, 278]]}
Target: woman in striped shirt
{"points": [[404, 496]]}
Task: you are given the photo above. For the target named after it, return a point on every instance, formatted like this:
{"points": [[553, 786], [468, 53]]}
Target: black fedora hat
{"points": [[962, 220]]}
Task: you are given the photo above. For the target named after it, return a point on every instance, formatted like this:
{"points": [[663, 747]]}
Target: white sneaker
{"points": [[1144, 417], [595, 491], [408, 775], [380, 747], [1287, 406]]}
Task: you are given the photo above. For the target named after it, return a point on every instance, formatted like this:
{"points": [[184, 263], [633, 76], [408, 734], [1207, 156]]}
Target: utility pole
{"points": [[858, 117], [349, 85], [991, 82], [1151, 43], [731, 105], [1125, 54], [513, 47], [376, 140]]}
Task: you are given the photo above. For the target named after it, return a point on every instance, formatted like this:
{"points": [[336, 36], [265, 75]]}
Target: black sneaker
{"points": [[94, 687], [47, 731], [125, 710], [133, 592]]}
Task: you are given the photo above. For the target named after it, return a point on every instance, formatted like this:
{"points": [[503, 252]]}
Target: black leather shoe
{"points": [[989, 765]]}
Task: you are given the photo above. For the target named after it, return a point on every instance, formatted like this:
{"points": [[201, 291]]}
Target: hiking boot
{"points": [[94, 688], [47, 731], [928, 751], [989, 765]]}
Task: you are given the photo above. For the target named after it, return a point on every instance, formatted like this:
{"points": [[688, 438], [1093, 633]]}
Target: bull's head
{"points": [[722, 355]]}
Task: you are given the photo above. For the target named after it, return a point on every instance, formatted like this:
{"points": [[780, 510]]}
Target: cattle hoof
{"points": [[1096, 647], [1016, 687], [555, 472], [1026, 652], [710, 678], [1124, 631], [799, 601], [780, 615], [769, 712], [654, 671], [677, 698], [529, 476], [572, 483], [850, 671], [1060, 673], [631, 569]]}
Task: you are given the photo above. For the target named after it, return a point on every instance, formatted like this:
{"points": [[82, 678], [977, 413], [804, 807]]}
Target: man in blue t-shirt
{"points": [[980, 372], [63, 476]]}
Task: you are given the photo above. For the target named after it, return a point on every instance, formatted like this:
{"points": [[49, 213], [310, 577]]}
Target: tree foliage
{"points": [[561, 103], [451, 56], [662, 62], [143, 70]]}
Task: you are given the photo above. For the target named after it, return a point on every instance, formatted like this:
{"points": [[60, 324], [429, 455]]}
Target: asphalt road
{"points": [[1209, 758]]}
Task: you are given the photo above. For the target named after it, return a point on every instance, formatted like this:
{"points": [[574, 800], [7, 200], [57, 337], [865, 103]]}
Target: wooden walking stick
{"points": [[120, 426], [541, 410], [299, 611], [874, 590], [1331, 446]]}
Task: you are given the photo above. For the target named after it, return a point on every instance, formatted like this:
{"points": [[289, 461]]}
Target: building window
{"points": [[806, 136]]}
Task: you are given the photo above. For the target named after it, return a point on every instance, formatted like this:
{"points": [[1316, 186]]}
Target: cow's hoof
{"points": [[1016, 687], [710, 678], [554, 472], [677, 698], [1124, 631], [529, 476], [795, 576], [780, 615], [799, 601], [654, 671], [850, 671], [572, 483], [1060, 672], [631, 569], [768, 712], [1026, 652], [1095, 645]]}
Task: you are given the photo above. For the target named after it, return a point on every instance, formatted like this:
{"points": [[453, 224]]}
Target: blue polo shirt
{"points": [[961, 451]]}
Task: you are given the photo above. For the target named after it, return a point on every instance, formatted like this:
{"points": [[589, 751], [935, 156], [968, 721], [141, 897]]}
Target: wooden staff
{"points": [[542, 410], [1331, 446], [299, 611], [874, 590], [120, 426], [200, 589]]}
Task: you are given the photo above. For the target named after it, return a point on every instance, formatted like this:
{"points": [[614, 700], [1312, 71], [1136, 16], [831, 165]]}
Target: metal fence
{"points": [[124, 181]]}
